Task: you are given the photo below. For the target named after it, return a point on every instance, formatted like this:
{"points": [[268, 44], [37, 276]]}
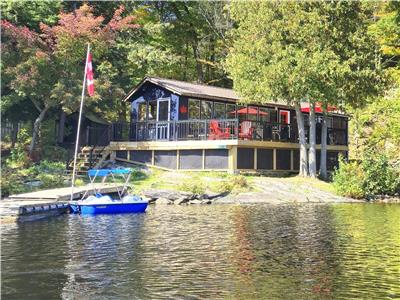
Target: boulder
{"points": [[195, 201], [168, 194], [181, 200], [163, 201]]}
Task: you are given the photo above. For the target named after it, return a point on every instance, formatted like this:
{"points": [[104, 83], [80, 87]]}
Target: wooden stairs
{"points": [[89, 158]]}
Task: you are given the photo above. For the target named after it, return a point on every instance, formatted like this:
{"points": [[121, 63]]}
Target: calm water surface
{"points": [[346, 251]]}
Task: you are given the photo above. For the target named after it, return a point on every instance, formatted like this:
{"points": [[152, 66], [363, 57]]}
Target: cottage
{"points": [[187, 126]]}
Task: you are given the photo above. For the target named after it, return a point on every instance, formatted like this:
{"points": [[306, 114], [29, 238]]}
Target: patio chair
{"points": [[216, 132], [246, 130]]}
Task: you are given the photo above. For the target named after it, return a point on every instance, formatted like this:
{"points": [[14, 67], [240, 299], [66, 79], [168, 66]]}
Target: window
{"points": [[231, 111], [242, 112], [152, 109], [219, 110], [264, 114], [252, 113], [339, 123], [194, 109], [206, 109], [142, 111]]}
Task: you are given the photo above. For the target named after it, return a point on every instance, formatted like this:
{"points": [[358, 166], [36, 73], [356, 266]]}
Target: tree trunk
{"points": [[312, 152], [14, 133], [199, 68], [303, 169], [61, 128], [36, 130], [324, 140]]}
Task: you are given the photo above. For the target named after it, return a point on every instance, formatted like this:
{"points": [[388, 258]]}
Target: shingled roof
{"points": [[197, 90], [183, 88]]}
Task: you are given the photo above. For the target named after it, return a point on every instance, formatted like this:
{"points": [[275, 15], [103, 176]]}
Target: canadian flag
{"points": [[89, 75]]}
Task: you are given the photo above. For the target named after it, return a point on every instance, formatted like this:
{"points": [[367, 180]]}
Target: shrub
{"points": [[348, 179], [379, 176], [224, 186], [374, 176], [18, 156], [195, 186], [51, 180], [232, 183]]}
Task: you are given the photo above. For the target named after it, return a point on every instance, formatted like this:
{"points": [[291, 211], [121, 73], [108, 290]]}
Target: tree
{"points": [[48, 69], [303, 51]]}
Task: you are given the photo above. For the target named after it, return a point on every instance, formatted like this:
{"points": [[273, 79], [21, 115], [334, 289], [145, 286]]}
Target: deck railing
{"points": [[215, 130], [227, 129]]}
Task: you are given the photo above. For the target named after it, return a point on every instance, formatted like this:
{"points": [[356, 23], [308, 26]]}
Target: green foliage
{"points": [[193, 185], [13, 178], [374, 176], [18, 157], [280, 56], [380, 177], [51, 180], [348, 179], [235, 183]]}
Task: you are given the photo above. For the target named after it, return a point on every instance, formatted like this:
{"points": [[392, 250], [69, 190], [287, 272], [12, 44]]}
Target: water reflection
{"points": [[208, 252]]}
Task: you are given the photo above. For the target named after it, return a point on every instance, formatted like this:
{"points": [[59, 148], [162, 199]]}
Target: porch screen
{"points": [[282, 159], [165, 158], [142, 111], [265, 159], [194, 109], [191, 159], [219, 110], [152, 110], [216, 159], [142, 156], [245, 158], [231, 111], [206, 109]]}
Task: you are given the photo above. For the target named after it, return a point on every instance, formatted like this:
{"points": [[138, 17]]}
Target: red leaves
{"points": [[83, 24], [118, 22], [21, 34]]}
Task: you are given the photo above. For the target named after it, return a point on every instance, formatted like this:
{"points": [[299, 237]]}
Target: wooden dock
{"points": [[64, 194], [42, 204]]}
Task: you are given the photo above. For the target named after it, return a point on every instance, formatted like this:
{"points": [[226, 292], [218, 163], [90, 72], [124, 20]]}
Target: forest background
{"points": [[43, 51]]}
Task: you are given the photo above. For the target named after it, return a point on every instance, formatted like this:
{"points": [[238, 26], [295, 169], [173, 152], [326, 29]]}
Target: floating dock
{"points": [[64, 194], [41, 204]]}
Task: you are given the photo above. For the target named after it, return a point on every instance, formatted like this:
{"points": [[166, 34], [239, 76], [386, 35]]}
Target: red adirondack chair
{"points": [[216, 133], [246, 130]]}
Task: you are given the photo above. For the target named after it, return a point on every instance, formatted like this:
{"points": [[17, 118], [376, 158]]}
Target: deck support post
{"points": [[177, 159], [291, 160], [203, 159], [255, 158], [274, 159], [232, 160], [152, 157]]}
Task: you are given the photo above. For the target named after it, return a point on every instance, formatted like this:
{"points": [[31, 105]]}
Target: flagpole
{"points": [[79, 124]]}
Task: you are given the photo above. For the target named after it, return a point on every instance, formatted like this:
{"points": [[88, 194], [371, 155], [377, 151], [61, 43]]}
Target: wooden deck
{"points": [[64, 194]]}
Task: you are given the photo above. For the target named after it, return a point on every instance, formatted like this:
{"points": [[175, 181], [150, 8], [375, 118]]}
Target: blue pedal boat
{"points": [[104, 204]]}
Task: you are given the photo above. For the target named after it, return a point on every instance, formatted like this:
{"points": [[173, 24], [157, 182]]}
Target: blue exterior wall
{"points": [[150, 91]]}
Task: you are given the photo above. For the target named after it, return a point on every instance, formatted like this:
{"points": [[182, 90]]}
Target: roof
{"points": [[183, 88], [188, 89], [94, 118]]}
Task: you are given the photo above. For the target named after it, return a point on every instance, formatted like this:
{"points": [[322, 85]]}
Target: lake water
{"points": [[341, 251]]}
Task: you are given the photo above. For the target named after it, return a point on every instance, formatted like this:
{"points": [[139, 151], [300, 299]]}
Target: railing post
{"points": [[205, 129]]}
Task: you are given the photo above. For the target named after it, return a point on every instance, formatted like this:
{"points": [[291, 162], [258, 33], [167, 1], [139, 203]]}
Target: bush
{"points": [[348, 179], [232, 183], [374, 176], [18, 156], [51, 180], [195, 186], [379, 176]]}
